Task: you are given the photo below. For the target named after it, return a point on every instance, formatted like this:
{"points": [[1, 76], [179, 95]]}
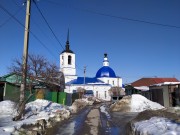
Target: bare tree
{"points": [[38, 69], [81, 91], [116, 91]]}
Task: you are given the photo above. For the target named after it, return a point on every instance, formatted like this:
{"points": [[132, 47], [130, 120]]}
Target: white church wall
{"points": [[99, 91], [112, 81], [102, 92]]}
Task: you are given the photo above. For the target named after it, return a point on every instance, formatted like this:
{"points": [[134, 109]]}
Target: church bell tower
{"points": [[67, 62]]}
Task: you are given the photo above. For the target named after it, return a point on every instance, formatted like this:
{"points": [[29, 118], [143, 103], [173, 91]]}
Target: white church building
{"points": [[99, 85]]}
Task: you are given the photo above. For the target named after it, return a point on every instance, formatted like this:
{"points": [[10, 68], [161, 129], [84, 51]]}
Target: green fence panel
{"points": [[12, 93], [62, 98], [68, 99], [27, 93], [54, 97], [1, 92], [48, 95], [75, 96]]}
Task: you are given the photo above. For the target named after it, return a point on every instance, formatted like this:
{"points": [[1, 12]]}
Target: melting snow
{"points": [[39, 109], [7, 107], [157, 126], [103, 110], [140, 103], [135, 103]]}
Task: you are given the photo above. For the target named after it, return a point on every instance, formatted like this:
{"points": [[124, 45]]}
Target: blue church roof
{"points": [[88, 80], [105, 71]]}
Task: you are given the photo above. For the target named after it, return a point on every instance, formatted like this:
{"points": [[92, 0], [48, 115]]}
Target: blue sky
{"points": [[135, 49]]}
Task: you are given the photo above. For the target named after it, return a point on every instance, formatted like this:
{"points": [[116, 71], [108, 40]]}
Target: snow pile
{"points": [[35, 112], [135, 103], [174, 110], [157, 126], [140, 103], [78, 104], [7, 107], [42, 109]]}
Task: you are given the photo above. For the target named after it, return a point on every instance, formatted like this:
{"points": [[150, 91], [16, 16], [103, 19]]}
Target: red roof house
{"points": [[151, 81]]}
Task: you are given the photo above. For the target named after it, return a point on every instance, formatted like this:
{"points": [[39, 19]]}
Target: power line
{"points": [[118, 17], [135, 20], [48, 25], [7, 20], [5, 10], [52, 30], [32, 19]]}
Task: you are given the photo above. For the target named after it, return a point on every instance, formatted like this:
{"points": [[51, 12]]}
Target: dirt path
{"points": [[93, 120]]}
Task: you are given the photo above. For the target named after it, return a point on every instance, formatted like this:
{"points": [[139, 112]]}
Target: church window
{"points": [[69, 60], [62, 60], [108, 81], [105, 94], [113, 82]]}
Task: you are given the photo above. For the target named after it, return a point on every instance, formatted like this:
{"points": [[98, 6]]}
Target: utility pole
{"points": [[84, 75], [25, 52]]}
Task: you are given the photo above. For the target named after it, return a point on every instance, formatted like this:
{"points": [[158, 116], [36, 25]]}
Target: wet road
{"points": [[93, 120]]}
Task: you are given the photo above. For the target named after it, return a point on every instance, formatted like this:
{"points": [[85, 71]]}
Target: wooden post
{"points": [[25, 52]]}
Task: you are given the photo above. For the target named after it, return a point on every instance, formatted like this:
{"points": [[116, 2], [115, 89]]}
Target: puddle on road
{"points": [[74, 124]]}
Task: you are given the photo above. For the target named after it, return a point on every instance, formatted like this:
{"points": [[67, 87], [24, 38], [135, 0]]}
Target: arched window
{"points": [[69, 60], [62, 60]]}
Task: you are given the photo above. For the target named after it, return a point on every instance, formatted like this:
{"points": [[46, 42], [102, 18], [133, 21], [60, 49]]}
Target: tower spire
{"points": [[67, 46], [67, 42], [105, 61]]}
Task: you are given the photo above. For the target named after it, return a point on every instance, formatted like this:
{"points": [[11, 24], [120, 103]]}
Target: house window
{"points": [[69, 60]]}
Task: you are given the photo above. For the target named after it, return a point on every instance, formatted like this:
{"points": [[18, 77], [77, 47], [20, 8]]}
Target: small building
{"points": [[167, 93], [10, 88], [164, 91]]}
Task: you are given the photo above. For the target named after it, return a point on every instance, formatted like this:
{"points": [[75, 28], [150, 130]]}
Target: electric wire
{"points": [[52, 30], [48, 25], [118, 17], [34, 22], [7, 20], [5, 10]]}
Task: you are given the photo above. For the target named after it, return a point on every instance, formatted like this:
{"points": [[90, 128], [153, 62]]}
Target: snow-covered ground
{"points": [[39, 109], [103, 110], [157, 126], [36, 111], [153, 126], [43, 109]]}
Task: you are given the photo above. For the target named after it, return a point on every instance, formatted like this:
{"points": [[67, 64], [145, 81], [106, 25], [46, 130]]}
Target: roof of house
{"points": [[152, 81], [88, 80]]}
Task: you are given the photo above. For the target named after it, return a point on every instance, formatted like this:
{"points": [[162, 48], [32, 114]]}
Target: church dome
{"points": [[105, 71]]}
